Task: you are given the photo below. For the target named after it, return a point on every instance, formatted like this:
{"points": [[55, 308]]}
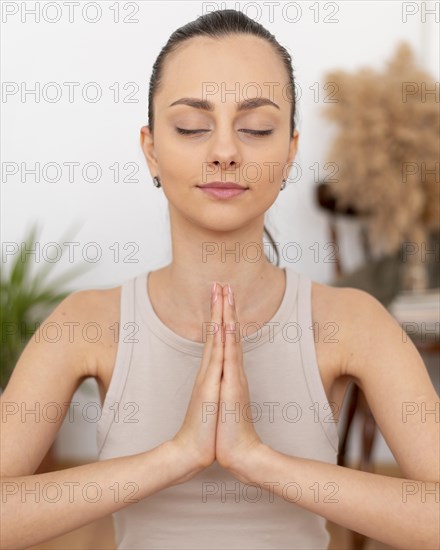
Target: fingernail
{"points": [[213, 292], [230, 296]]}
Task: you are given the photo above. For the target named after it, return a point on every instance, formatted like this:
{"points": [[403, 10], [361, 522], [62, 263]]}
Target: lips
{"points": [[221, 185], [223, 192]]}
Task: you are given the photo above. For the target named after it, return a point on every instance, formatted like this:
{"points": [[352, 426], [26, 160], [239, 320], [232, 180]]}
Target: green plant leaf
{"points": [[27, 299]]}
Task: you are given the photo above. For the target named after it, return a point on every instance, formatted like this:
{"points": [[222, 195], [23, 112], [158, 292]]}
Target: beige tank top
{"points": [[146, 403]]}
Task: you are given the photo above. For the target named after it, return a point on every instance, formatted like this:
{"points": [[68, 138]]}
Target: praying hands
{"points": [[207, 433]]}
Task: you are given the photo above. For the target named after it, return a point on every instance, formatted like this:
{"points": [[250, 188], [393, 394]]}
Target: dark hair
{"points": [[219, 24]]}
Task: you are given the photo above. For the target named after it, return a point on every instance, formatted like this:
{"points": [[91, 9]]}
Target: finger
{"points": [[233, 353], [213, 350], [215, 364]]}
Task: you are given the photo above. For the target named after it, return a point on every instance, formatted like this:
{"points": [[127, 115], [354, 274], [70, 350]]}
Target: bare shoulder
{"points": [[97, 312], [51, 367], [339, 301], [351, 312]]}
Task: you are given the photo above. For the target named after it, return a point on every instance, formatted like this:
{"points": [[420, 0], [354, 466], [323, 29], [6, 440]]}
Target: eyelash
{"points": [[185, 132]]}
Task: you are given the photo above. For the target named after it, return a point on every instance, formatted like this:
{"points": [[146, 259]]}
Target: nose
{"points": [[223, 157]]}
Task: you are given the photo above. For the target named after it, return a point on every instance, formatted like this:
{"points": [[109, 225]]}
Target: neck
{"points": [[202, 256]]}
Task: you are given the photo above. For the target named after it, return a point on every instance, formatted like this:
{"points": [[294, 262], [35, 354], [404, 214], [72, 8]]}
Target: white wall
{"points": [[106, 132]]}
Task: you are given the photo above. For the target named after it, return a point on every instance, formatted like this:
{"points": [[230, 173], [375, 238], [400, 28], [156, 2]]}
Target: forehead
{"points": [[248, 65]]}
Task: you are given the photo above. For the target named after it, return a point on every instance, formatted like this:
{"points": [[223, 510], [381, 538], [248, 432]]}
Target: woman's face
{"points": [[225, 72]]}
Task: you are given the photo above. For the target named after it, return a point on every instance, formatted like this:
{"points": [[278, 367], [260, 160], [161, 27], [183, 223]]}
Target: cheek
{"points": [[266, 172], [265, 164], [177, 159], [168, 149]]}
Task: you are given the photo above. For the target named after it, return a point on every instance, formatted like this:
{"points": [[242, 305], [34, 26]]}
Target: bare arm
{"points": [[402, 512], [36, 508]]}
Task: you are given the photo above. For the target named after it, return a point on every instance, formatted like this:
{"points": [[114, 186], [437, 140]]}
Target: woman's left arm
{"points": [[400, 512]]}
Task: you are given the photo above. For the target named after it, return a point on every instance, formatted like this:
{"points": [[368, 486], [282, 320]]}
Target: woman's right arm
{"points": [[39, 507], [36, 508]]}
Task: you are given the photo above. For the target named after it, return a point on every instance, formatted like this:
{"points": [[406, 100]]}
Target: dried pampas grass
{"points": [[387, 150]]}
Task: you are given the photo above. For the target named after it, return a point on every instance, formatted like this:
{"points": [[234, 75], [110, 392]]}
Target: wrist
{"points": [[181, 467], [249, 466]]}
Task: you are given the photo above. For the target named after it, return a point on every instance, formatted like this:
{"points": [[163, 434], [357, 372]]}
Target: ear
{"points": [[147, 144], [293, 147]]}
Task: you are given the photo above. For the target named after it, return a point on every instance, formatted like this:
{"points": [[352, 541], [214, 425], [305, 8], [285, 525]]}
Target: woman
{"points": [[224, 438]]}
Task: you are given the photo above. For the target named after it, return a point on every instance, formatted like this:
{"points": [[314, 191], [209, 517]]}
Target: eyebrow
{"points": [[206, 105]]}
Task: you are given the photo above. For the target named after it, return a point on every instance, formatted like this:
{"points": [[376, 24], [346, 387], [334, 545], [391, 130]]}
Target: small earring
{"points": [[156, 182], [283, 185]]}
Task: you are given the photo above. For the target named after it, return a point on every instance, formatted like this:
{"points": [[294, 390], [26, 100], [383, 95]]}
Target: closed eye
{"points": [[183, 131]]}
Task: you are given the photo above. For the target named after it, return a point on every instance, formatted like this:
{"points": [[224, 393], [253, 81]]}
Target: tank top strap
{"points": [[127, 329], [324, 409]]}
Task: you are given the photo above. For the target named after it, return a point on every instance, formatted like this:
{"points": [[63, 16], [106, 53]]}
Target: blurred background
{"points": [[361, 205]]}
